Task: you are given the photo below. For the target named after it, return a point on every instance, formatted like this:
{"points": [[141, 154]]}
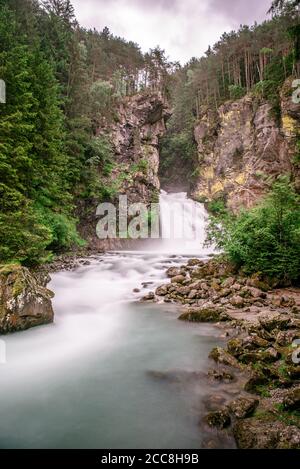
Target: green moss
{"points": [[19, 285], [6, 269]]}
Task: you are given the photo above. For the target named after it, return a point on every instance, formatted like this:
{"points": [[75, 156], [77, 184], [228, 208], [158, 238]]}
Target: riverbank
{"points": [[262, 325]]}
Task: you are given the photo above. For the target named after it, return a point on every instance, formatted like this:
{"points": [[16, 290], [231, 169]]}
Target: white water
{"points": [[86, 381], [183, 225]]}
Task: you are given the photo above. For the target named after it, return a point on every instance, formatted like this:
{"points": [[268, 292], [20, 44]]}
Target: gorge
{"points": [[186, 340]]}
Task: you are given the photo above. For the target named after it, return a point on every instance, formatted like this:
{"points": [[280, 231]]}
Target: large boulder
{"points": [[219, 355], [23, 302], [292, 399], [219, 419], [254, 433], [213, 314], [243, 407]]}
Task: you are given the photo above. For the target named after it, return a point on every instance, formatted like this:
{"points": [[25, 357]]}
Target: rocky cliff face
{"points": [[242, 147], [140, 122], [135, 139], [24, 303]]}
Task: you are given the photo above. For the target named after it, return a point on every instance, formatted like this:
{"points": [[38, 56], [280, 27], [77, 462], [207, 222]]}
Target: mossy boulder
{"points": [[292, 400], [265, 433], [23, 302], [219, 355], [202, 315], [243, 407], [219, 419], [256, 381]]}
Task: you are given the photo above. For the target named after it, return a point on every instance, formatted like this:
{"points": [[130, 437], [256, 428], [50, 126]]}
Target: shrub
{"points": [[265, 239], [236, 91]]}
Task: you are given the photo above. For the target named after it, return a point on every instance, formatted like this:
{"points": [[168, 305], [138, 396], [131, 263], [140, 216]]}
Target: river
{"points": [[112, 372]]}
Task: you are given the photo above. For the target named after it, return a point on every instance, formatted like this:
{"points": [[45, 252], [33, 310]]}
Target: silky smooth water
{"points": [[111, 372]]}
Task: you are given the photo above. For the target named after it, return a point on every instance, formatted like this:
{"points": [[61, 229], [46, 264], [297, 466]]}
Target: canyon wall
{"points": [[139, 123], [242, 146]]}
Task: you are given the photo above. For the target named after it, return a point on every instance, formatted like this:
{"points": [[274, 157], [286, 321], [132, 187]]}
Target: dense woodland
{"points": [[64, 81], [257, 59]]}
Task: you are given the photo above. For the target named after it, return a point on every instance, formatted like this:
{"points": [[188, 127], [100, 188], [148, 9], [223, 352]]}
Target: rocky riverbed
{"points": [[262, 325]]}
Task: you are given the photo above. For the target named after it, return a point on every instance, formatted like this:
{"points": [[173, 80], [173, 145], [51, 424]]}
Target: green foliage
{"points": [[32, 155], [265, 239], [140, 166], [100, 154], [178, 149], [236, 91], [217, 207], [62, 229]]}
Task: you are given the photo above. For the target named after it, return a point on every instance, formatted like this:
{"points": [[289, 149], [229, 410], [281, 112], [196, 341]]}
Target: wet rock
{"points": [[147, 284], [162, 290], [293, 371], [176, 376], [277, 321], [256, 380], [283, 301], [256, 282], [243, 407], [254, 433], [219, 355], [149, 297], [266, 356], [178, 279], [253, 342], [201, 315], [287, 301], [256, 292], [136, 290], [196, 285], [224, 292], [260, 332], [237, 301], [292, 400], [286, 338], [219, 419], [23, 302], [228, 283], [235, 347], [195, 262], [193, 294], [174, 272], [183, 291], [220, 375]]}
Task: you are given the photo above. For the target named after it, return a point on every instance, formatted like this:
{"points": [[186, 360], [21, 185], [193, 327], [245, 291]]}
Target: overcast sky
{"points": [[184, 28]]}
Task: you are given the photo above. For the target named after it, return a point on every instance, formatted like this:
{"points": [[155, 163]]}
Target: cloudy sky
{"points": [[184, 28]]}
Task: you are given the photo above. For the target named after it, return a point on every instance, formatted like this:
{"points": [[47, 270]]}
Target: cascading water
{"points": [[93, 378], [183, 225]]}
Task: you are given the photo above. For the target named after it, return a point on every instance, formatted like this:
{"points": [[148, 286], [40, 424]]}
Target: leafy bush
{"points": [[140, 166], [265, 239], [236, 91], [62, 229], [216, 207]]}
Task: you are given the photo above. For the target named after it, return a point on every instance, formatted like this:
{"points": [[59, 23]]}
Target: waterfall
{"points": [[183, 225]]}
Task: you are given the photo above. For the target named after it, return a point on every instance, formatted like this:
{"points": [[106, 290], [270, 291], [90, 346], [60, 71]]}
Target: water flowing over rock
{"points": [[23, 302]]}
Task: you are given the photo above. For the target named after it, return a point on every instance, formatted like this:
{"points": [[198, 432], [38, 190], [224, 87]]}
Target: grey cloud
{"points": [[240, 11], [184, 28]]}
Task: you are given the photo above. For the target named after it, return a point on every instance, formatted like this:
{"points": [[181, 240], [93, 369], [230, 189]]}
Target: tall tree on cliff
{"points": [[291, 9]]}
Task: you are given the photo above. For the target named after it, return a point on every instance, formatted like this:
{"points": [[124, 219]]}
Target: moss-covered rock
{"points": [[202, 315], [243, 407], [265, 433], [23, 302], [219, 419], [219, 355]]}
